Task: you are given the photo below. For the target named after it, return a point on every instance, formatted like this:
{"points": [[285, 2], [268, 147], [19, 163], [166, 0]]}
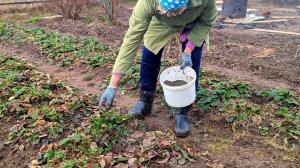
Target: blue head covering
{"points": [[173, 5]]}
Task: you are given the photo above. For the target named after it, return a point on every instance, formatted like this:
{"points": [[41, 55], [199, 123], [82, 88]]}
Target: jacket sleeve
{"points": [[203, 24], [138, 25]]}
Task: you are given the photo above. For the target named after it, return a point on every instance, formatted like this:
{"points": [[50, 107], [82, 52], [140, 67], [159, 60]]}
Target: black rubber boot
{"points": [[182, 127], [144, 106]]}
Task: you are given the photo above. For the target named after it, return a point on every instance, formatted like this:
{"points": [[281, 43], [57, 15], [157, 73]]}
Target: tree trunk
{"points": [[234, 8], [114, 10]]}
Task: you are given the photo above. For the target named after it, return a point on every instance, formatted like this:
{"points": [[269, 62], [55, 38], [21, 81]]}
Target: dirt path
{"points": [[257, 82]]}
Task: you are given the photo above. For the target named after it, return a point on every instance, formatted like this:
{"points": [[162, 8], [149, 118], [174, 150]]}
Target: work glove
{"points": [[186, 60], [107, 98]]}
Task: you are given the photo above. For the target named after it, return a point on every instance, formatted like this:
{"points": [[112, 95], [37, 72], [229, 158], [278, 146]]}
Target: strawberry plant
{"points": [[281, 96], [132, 79], [98, 60], [222, 94], [65, 49]]}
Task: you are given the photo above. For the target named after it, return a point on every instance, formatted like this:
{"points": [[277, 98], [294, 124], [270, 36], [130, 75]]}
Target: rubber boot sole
{"points": [[140, 117], [182, 135]]}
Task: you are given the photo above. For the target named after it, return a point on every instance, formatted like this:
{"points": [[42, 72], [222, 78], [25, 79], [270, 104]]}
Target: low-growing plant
{"points": [[281, 96], [89, 77], [65, 49], [264, 131], [15, 132], [54, 155], [222, 94], [132, 79], [98, 60], [68, 164], [67, 62], [34, 20], [55, 129], [33, 138]]}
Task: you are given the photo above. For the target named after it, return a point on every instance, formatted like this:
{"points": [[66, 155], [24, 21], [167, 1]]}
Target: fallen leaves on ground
{"points": [[67, 128]]}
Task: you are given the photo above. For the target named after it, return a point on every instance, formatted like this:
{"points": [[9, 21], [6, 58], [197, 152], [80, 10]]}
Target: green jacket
{"points": [[157, 29]]}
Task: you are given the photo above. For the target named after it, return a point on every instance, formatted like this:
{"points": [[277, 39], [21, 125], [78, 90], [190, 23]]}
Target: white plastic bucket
{"points": [[179, 96]]}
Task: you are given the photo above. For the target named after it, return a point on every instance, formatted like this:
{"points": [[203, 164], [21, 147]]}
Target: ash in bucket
{"points": [[175, 83]]}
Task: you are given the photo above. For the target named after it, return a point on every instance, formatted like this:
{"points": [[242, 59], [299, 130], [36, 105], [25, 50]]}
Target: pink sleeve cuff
{"points": [[190, 45], [184, 35], [118, 75]]}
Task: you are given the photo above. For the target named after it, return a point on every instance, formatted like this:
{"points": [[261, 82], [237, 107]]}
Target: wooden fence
{"points": [[7, 6], [20, 3]]}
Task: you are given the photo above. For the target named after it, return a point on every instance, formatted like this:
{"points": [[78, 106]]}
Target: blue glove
{"points": [[186, 60], [107, 98]]}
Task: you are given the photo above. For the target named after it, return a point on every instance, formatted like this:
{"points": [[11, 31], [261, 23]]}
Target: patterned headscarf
{"points": [[173, 5]]}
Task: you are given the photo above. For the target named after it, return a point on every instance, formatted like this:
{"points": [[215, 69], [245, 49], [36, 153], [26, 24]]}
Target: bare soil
{"points": [[273, 58], [176, 83], [98, 28], [12, 156]]}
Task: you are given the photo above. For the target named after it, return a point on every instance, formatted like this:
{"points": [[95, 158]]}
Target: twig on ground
{"points": [[280, 49], [296, 53]]}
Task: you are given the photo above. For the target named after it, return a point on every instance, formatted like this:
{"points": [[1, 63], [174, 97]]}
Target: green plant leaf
{"points": [[296, 132]]}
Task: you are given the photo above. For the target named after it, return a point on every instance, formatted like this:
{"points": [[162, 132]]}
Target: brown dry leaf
{"points": [[40, 122], [216, 165], [165, 160], [34, 163], [43, 136], [31, 110], [69, 88], [149, 141], [102, 162], [121, 165], [84, 135], [175, 154], [11, 98], [132, 161], [21, 147], [164, 144], [60, 109], [109, 157], [128, 155], [38, 156], [150, 155], [137, 135], [93, 145], [26, 99], [191, 152], [104, 126]]}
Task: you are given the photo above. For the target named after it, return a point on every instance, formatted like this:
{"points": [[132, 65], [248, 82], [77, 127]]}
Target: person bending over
{"points": [[156, 21]]}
